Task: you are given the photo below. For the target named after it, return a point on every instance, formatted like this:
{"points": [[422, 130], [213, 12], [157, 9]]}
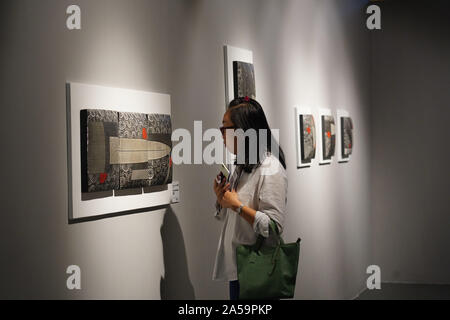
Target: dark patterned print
{"points": [[347, 136], [159, 123], [328, 137], [244, 80], [160, 130], [126, 171], [98, 181], [160, 171], [111, 182], [131, 125], [95, 115]]}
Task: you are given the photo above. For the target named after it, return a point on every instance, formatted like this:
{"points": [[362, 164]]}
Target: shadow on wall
{"points": [[175, 285]]}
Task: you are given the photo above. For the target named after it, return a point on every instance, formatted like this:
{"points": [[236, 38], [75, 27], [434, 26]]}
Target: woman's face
{"points": [[229, 139]]}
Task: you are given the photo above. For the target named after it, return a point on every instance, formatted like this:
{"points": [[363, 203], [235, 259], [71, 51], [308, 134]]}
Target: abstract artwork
{"points": [[346, 136], [124, 150], [328, 137], [308, 137], [118, 151], [244, 79]]}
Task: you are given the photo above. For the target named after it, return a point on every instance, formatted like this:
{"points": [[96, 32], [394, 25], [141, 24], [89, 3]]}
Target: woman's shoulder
{"points": [[271, 165]]}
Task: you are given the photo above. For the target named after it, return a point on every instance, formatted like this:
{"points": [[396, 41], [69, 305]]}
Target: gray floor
{"points": [[396, 291]]}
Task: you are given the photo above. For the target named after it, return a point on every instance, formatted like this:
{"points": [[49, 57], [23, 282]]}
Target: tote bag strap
{"points": [[273, 226]]}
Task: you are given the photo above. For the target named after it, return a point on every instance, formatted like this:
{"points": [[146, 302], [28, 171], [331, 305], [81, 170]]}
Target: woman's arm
{"points": [[247, 213], [231, 200], [257, 219]]}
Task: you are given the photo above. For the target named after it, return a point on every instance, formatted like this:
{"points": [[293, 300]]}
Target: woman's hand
{"points": [[220, 188], [230, 199]]}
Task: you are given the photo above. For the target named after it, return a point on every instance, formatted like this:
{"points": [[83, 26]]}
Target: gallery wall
{"points": [[410, 154], [121, 44], [314, 53]]}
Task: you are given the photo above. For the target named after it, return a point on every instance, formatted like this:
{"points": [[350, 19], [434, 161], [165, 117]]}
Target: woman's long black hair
{"points": [[247, 113]]}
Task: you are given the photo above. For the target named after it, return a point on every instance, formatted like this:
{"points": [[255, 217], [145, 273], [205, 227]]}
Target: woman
{"points": [[255, 194]]}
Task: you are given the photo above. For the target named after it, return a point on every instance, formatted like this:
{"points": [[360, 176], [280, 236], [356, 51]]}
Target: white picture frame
{"points": [[83, 96]]}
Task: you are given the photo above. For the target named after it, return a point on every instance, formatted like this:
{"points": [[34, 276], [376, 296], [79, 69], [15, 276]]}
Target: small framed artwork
{"points": [[239, 80], [344, 135], [327, 136], [305, 136], [239, 73]]}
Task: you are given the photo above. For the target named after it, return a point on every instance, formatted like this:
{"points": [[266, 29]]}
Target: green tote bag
{"points": [[267, 272]]}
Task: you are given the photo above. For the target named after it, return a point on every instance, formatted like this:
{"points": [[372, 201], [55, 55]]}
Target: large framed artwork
{"points": [[326, 136], [119, 150], [305, 136], [345, 140]]}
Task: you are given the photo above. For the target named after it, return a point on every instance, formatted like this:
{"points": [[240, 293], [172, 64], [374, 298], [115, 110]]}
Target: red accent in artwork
{"points": [[170, 162], [349, 145], [144, 133], [246, 98], [103, 177], [308, 129], [329, 134]]}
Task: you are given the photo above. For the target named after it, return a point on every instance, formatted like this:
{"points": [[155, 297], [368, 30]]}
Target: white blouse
{"points": [[264, 190]]}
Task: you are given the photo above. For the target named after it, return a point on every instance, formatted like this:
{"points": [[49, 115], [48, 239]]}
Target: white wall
{"points": [[305, 52], [122, 44]]}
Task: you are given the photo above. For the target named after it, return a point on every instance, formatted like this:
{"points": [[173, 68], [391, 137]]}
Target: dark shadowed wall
{"points": [[410, 154]]}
